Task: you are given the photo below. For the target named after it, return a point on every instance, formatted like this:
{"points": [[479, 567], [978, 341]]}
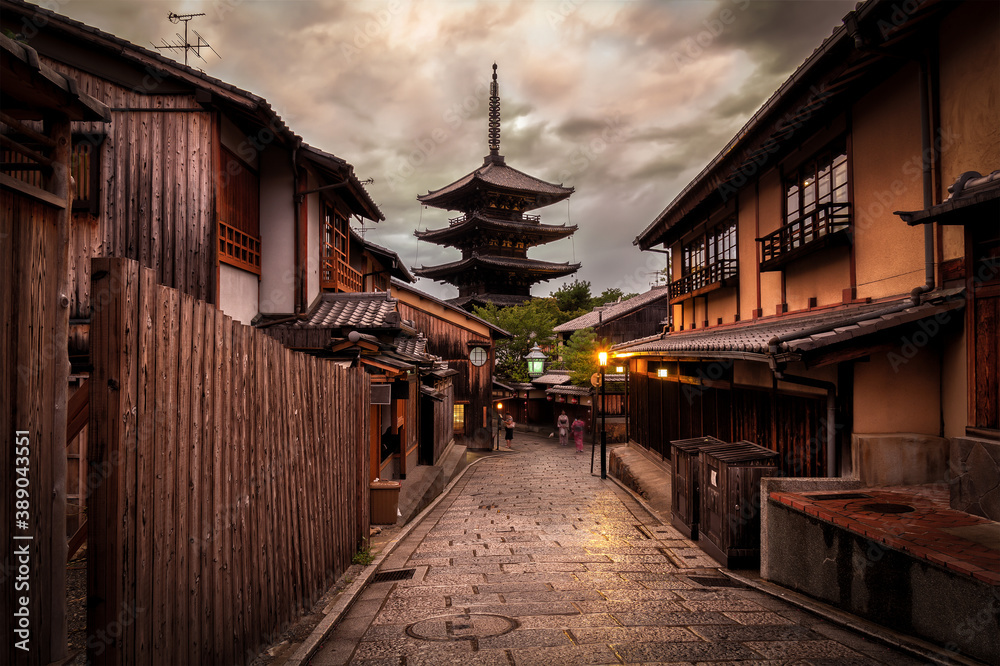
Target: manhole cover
{"points": [[886, 507], [462, 627]]}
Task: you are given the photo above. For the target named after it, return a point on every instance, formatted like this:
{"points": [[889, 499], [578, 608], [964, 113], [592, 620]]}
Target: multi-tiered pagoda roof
{"points": [[493, 232]]}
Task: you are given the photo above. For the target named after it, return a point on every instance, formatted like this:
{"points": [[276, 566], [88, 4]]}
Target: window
{"points": [[814, 190], [335, 273], [816, 207], [239, 214], [458, 418], [85, 166], [707, 260], [478, 356]]}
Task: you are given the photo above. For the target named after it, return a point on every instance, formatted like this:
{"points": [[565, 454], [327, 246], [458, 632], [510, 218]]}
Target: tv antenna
{"points": [[182, 43]]}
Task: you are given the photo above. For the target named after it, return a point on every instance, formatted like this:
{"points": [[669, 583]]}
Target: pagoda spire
{"points": [[494, 114]]}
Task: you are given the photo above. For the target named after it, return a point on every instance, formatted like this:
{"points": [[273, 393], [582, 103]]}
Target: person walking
{"points": [[563, 424], [508, 423], [578, 434]]}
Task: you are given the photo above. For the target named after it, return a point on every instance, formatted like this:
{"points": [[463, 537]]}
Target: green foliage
{"points": [[573, 300], [610, 296], [580, 355], [365, 556], [529, 323]]}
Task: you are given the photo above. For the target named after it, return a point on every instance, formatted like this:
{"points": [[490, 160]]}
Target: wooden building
{"points": [[466, 343], [637, 317], [807, 316], [494, 231], [39, 106], [197, 179]]}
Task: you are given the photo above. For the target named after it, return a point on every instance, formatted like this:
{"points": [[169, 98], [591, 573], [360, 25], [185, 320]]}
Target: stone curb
{"points": [[348, 596]]}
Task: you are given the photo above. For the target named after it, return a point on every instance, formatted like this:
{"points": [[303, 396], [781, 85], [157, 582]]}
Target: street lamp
{"points": [[499, 423], [536, 361], [602, 359]]}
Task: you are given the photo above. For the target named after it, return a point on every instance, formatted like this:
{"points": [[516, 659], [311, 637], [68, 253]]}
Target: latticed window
{"points": [[333, 250], [817, 189], [239, 213], [458, 418]]}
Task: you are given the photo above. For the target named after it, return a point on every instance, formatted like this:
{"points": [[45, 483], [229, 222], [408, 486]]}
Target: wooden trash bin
{"points": [[729, 527], [384, 502], [684, 496]]}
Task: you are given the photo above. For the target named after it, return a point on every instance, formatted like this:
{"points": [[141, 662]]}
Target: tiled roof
{"points": [[608, 312], [521, 386], [970, 191], [570, 389], [502, 300], [412, 346], [552, 378], [533, 266], [531, 232], [799, 333], [496, 173], [360, 310], [451, 305]]}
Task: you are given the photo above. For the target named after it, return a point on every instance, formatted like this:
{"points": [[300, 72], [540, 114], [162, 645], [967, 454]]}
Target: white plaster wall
{"points": [[237, 293], [312, 245], [277, 233]]}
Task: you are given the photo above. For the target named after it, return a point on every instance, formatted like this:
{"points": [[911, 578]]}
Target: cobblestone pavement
{"points": [[531, 560]]}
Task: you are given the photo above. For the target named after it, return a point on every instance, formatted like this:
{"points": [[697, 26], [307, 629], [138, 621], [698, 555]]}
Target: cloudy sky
{"points": [[625, 101]]}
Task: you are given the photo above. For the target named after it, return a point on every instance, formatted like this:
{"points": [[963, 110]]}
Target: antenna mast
{"points": [[182, 43]]}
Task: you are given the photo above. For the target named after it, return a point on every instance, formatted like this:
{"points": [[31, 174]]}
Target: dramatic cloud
{"points": [[625, 101]]}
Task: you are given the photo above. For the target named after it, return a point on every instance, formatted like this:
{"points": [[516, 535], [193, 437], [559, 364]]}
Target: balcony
{"points": [[720, 274], [337, 275], [829, 224]]}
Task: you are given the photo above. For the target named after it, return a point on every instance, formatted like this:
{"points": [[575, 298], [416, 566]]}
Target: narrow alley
{"points": [[530, 559]]}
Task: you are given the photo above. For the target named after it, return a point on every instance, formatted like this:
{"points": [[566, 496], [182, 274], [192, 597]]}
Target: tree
{"points": [[573, 300], [529, 323], [580, 355], [610, 296]]}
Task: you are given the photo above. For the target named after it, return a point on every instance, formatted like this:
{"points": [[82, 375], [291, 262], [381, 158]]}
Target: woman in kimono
{"points": [[578, 434], [563, 424]]}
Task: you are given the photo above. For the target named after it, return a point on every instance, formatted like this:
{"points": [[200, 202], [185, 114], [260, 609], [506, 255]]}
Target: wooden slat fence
{"points": [[231, 477]]}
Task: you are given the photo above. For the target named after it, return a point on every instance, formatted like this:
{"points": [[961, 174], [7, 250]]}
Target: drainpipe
{"points": [[927, 159], [299, 299], [831, 413]]}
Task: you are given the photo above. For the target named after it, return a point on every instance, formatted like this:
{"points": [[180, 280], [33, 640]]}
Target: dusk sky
{"points": [[625, 101]]}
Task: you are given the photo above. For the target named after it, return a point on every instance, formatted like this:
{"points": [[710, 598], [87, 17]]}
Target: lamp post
{"points": [[602, 359], [499, 423]]}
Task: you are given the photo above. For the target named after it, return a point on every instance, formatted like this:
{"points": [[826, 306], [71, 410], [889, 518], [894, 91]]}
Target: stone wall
{"points": [[975, 476]]}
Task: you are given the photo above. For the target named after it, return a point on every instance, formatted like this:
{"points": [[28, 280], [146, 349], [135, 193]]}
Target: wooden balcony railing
{"points": [[827, 223], [718, 272], [337, 274], [239, 249]]}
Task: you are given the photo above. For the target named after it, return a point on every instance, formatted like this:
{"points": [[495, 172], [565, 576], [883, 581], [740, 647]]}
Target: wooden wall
{"points": [[32, 398], [663, 410], [451, 342], [157, 187], [232, 477], [639, 324]]}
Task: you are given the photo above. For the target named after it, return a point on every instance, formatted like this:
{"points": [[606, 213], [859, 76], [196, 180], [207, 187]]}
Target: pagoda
{"points": [[493, 231]]}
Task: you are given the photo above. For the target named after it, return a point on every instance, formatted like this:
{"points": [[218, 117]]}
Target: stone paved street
{"points": [[531, 560]]}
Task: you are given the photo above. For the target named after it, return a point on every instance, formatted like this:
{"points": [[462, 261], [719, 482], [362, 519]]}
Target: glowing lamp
{"points": [[662, 372], [536, 361], [619, 369], [602, 358]]}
